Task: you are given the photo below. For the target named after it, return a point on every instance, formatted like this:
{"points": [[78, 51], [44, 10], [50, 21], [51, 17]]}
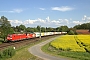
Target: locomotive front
{"points": [[9, 37]]}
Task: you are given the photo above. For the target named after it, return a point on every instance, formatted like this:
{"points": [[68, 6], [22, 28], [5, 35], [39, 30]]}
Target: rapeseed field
{"points": [[77, 43]]}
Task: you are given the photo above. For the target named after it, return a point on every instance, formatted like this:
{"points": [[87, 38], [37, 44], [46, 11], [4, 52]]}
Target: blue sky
{"points": [[47, 13]]}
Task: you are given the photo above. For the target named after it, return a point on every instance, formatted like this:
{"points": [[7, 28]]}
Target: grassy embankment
{"points": [[23, 53], [77, 47]]}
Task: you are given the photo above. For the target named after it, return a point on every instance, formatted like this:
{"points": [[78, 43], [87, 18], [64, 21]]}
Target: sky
{"points": [[47, 13]]}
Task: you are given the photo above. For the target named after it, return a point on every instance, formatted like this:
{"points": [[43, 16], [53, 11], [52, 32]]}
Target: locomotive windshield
{"points": [[9, 35]]}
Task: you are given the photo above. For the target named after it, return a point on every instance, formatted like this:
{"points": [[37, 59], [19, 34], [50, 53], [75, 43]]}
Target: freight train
{"points": [[17, 37]]}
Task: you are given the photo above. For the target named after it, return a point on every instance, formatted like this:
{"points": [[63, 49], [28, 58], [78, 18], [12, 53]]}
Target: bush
{"points": [[71, 32], [9, 52], [5, 53], [1, 55]]}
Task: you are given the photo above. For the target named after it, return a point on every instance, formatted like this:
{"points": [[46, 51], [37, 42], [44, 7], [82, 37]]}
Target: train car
{"points": [[37, 34], [42, 34], [52, 33], [30, 35], [15, 37], [59, 32], [63, 32]]}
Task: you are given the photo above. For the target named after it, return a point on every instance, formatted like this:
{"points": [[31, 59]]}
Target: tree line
{"points": [[83, 26], [6, 28]]}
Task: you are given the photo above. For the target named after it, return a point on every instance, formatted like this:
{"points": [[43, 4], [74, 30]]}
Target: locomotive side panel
{"points": [[15, 37]]}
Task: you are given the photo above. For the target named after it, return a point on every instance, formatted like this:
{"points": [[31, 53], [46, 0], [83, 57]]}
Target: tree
{"points": [[88, 25], [5, 27], [64, 29], [35, 29], [42, 29], [58, 29], [28, 29], [83, 26], [49, 29], [38, 28], [72, 29], [22, 28], [71, 32]]}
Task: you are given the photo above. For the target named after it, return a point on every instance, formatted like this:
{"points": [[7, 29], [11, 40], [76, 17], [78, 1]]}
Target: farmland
{"points": [[84, 41], [74, 46], [73, 43]]}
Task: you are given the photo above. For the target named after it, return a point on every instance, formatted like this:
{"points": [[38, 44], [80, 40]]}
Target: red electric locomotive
{"points": [[30, 35], [16, 37]]}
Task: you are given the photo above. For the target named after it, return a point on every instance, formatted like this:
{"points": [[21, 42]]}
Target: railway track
{"points": [[22, 43], [15, 44]]}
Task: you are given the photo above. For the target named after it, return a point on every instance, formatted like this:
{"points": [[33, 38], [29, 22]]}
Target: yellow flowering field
{"points": [[85, 41], [67, 43]]}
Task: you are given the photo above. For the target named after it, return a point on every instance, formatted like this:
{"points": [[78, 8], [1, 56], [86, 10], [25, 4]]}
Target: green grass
{"points": [[75, 55], [23, 53]]}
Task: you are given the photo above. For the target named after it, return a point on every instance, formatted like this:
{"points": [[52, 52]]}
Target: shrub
{"points": [[71, 32], [8, 52], [1, 55], [11, 51], [5, 53]]}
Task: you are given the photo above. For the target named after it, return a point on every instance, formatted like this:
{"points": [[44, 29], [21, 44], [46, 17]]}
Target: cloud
{"points": [[7, 11], [86, 18], [42, 8], [54, 21], [47, 22], [15, 22], [43, 22], [13, 11], [17, 10], [63, 8], [77, 22], [29, 21], [67, 21]]}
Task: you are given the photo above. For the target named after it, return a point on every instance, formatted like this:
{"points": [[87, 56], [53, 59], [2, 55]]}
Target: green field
{"points": [[23, 53], [73, 46]]}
